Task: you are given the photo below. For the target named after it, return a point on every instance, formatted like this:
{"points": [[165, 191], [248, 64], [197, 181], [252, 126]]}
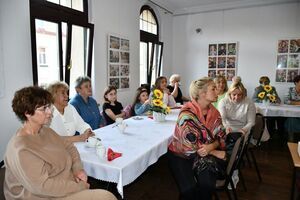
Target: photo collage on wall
{"points": [[222, 60], [118, 62], [288, 60]]}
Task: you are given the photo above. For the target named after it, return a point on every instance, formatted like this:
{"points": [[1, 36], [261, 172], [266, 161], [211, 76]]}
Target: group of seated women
{"points": [[42, 162]]}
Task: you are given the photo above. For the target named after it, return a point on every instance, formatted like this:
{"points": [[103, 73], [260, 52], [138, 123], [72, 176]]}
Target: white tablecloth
{"points": [[143, 142], [281, 110]]}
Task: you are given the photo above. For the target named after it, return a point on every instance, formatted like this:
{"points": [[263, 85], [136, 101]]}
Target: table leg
{"points": [[293, 183]]}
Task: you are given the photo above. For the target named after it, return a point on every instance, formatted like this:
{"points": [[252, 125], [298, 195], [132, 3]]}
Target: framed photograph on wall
{"points": [[222, 59], [118, 61], [288, 59]]}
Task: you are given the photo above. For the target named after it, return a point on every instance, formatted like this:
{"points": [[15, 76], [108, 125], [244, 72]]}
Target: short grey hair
{"points": [[80, 80], [174, 77]]}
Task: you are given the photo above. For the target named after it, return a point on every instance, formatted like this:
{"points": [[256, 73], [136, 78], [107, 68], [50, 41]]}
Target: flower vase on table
{"points": [[159, 117], [266, 102], [267, 95], [158, 107]]}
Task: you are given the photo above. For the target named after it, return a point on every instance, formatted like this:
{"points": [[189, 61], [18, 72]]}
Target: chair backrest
{"points": [[235, 157], [259, 127], [103, 120], [2, 176], [128, 111]]}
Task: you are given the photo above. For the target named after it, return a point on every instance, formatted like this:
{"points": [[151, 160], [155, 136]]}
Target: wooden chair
{"points": [[233, 163]]}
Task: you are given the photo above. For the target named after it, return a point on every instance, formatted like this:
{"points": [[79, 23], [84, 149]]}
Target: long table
{"points": [[278, 110], [141, 145]]}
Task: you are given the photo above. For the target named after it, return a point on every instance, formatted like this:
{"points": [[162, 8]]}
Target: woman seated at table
{"points": [[263, 81], [292, 124], [161, 84], [141, 104], [199, 131], [66, 121], [271, 121], [175, 89], [221, 87], [112, 109], [84, 103], [39, 163], [238, 113]]}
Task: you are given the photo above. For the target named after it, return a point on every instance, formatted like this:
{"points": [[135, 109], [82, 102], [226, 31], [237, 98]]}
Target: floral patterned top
{"points": [[194, 129]]}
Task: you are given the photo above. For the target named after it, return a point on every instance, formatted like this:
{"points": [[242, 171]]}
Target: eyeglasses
{"points": [[44, 108]]}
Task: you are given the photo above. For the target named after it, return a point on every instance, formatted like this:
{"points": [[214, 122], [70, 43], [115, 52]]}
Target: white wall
{"points": [[114, 16], [16, 55], [257, 29]]}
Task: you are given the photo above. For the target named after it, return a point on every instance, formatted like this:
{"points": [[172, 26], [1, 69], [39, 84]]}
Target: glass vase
{"points": [[159, 117]]}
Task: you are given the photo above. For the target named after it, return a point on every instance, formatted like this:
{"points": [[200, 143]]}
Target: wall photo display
{"points": [[118, 62], [288, 60], [222, 59]]}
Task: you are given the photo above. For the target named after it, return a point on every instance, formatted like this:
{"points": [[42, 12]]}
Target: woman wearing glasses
{"points": [[39, 163]]}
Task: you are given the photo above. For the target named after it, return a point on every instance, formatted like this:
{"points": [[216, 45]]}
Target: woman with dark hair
{"points": [[84, 103], [161, 84], [198, 132], [141, 103], [39, 163], [112, 109]]}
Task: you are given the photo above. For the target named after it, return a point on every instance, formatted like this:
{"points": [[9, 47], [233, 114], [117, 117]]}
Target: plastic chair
{"points": [[232, 165]]}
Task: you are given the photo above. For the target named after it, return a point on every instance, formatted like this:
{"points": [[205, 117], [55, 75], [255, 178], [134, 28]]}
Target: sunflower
{"points": [[261, 95], [157, 102], [158, 94], [267, 88], [272, 98]]}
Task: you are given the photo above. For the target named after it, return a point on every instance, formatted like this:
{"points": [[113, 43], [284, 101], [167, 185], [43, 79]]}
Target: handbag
{"points": [[210, 163]]}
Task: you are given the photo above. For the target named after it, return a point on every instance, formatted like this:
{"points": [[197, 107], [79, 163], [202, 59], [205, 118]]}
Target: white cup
{"points": [[101, 151], [178, 104], [122, 127], [119, 120], [92, 141]]}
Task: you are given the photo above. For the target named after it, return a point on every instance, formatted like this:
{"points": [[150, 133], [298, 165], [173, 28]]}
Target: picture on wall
{"points": [[118, 62], [288, 60], [222, 59]]}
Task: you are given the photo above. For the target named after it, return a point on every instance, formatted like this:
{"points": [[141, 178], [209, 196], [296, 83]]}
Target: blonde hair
{"points": [[53, 87], [174, 77], [223, 78], [199, 85], [237, 85]]}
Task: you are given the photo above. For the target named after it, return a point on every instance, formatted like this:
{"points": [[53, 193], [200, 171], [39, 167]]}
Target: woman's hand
{"points": [[243, 131], [228, 130], [80, 176], [204, 150], [87, 133]]}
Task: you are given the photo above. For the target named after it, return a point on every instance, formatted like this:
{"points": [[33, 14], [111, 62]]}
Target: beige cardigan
{"points": [[41, 167]]}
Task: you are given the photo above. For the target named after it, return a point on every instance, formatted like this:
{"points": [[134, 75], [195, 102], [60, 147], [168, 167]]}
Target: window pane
{"points": [[67, 3], [77, 5], [148, 23], [143, 62], [47, 51], [79, 49]]}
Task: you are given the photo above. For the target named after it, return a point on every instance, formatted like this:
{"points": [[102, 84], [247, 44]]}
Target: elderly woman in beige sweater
{"points": [[39, 163]]}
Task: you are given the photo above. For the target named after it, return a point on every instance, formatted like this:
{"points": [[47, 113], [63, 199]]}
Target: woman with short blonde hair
{"points": [[198, 132], [66, 121]]}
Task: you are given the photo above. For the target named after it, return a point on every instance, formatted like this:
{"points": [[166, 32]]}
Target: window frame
{"points": [[52, 12]]}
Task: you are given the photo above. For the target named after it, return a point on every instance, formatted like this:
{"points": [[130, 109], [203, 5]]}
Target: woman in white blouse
{"points": [[65, 120], [238, 114]]}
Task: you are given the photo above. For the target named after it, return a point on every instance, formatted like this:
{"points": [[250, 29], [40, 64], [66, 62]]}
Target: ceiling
{"points": [[181, 7]]}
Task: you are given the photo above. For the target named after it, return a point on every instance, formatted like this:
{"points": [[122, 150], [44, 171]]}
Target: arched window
{"points": [[150, 46]]}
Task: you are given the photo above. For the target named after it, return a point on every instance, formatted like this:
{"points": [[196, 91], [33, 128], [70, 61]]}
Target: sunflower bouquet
{"points": [[157, 104], [267, 94]]}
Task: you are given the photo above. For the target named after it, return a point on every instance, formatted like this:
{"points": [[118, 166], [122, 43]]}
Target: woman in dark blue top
{"points": [[85, 104]]}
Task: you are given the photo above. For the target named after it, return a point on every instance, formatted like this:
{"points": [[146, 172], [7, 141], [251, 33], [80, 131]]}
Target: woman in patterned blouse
{"points": [[199, 131]]}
